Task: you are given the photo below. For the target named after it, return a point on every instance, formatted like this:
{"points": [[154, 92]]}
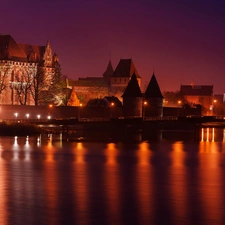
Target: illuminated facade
{"points": [[19, 64], [199, 94]]}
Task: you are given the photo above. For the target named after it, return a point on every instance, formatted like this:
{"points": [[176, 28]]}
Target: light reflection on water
{"points": [[163, 182]]}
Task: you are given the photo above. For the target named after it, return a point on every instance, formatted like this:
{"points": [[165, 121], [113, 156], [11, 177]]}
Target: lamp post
{"points": [[143, 110], [112, 104], [79, 111]]}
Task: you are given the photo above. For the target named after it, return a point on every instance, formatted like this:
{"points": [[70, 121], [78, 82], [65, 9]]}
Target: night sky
{"points": [[183, 41]]}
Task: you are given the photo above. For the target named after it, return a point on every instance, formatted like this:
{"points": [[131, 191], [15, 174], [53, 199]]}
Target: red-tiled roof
{"points": [[197, 90], [153, 90], [132, 89], [9, 49], [125, 68], [39, 50]]}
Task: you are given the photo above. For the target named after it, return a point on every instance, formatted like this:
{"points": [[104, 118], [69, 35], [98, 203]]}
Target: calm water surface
{"points": [[171, 181]]}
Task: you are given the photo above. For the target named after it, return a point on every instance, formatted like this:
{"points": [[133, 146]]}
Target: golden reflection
{"points": [[223, 135], [80, 182], [202, 135], [178, 154], [144, 179], [50, 176], [27, 150], [3, 195], [15, 149], [213, 134], [111, 154], [178, 180], [49, 151], [112, 182], [80, 153], [208, 134], [211, 179], [143, 154]]}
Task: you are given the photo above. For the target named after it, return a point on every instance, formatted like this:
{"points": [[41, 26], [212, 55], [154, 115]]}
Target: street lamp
{"points": [[79, 111], [112, 104], [144, 105]]}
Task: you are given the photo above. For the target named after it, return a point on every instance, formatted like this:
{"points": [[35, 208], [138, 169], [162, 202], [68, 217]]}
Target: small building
{"points": [[199, 95], [132, 99], [153, 99]]}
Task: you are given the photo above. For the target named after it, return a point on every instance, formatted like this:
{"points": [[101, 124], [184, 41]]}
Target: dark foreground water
{"points": [[171, 181]]}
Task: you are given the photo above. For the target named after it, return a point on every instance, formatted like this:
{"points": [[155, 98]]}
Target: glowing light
{"points": [[112, 104], [16, 114], [50, 106], [80, 104], [215, 101], [202, 134], [49, 117], [27, 115], [145, 103], [179, 102], [38, 116]]}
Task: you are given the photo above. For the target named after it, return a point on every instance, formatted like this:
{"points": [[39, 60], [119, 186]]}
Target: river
{"points": [[171, 180]]}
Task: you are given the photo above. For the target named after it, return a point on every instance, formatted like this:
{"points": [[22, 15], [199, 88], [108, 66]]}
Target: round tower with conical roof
{"points": [[132, 99], [153, 99]]}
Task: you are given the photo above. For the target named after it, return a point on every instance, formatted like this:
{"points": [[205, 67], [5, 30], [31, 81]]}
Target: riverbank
{"points": [[19, 129]]}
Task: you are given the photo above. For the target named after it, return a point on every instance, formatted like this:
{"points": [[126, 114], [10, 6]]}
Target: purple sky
{"points": [[183, 41]]}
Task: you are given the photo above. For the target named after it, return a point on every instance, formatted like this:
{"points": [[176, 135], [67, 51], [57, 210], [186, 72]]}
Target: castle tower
{"points": [[122, 75], [132, 99], [153, 99], [108, 73]]}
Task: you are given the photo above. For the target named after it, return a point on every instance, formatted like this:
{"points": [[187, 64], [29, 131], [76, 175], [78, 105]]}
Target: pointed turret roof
{"points": [[153, 90], [125, 68], [109, 70], [132, 89]]}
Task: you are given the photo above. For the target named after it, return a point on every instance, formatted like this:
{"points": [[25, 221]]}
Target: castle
{"points": [[19, 64], [112, 83]]}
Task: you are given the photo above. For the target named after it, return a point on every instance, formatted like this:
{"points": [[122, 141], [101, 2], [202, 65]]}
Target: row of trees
{"points": [[42, 86]]}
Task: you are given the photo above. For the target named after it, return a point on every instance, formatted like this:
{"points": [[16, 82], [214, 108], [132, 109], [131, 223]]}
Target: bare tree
{"points": [[3, 76], [41, 83], [23, 85]]}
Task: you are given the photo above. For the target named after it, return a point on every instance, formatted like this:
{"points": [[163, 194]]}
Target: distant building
{"points": [[199, 94], [17, 63]]}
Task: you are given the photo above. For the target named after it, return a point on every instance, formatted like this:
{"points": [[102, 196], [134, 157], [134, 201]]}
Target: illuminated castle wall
{"points": [[21, 62]]}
